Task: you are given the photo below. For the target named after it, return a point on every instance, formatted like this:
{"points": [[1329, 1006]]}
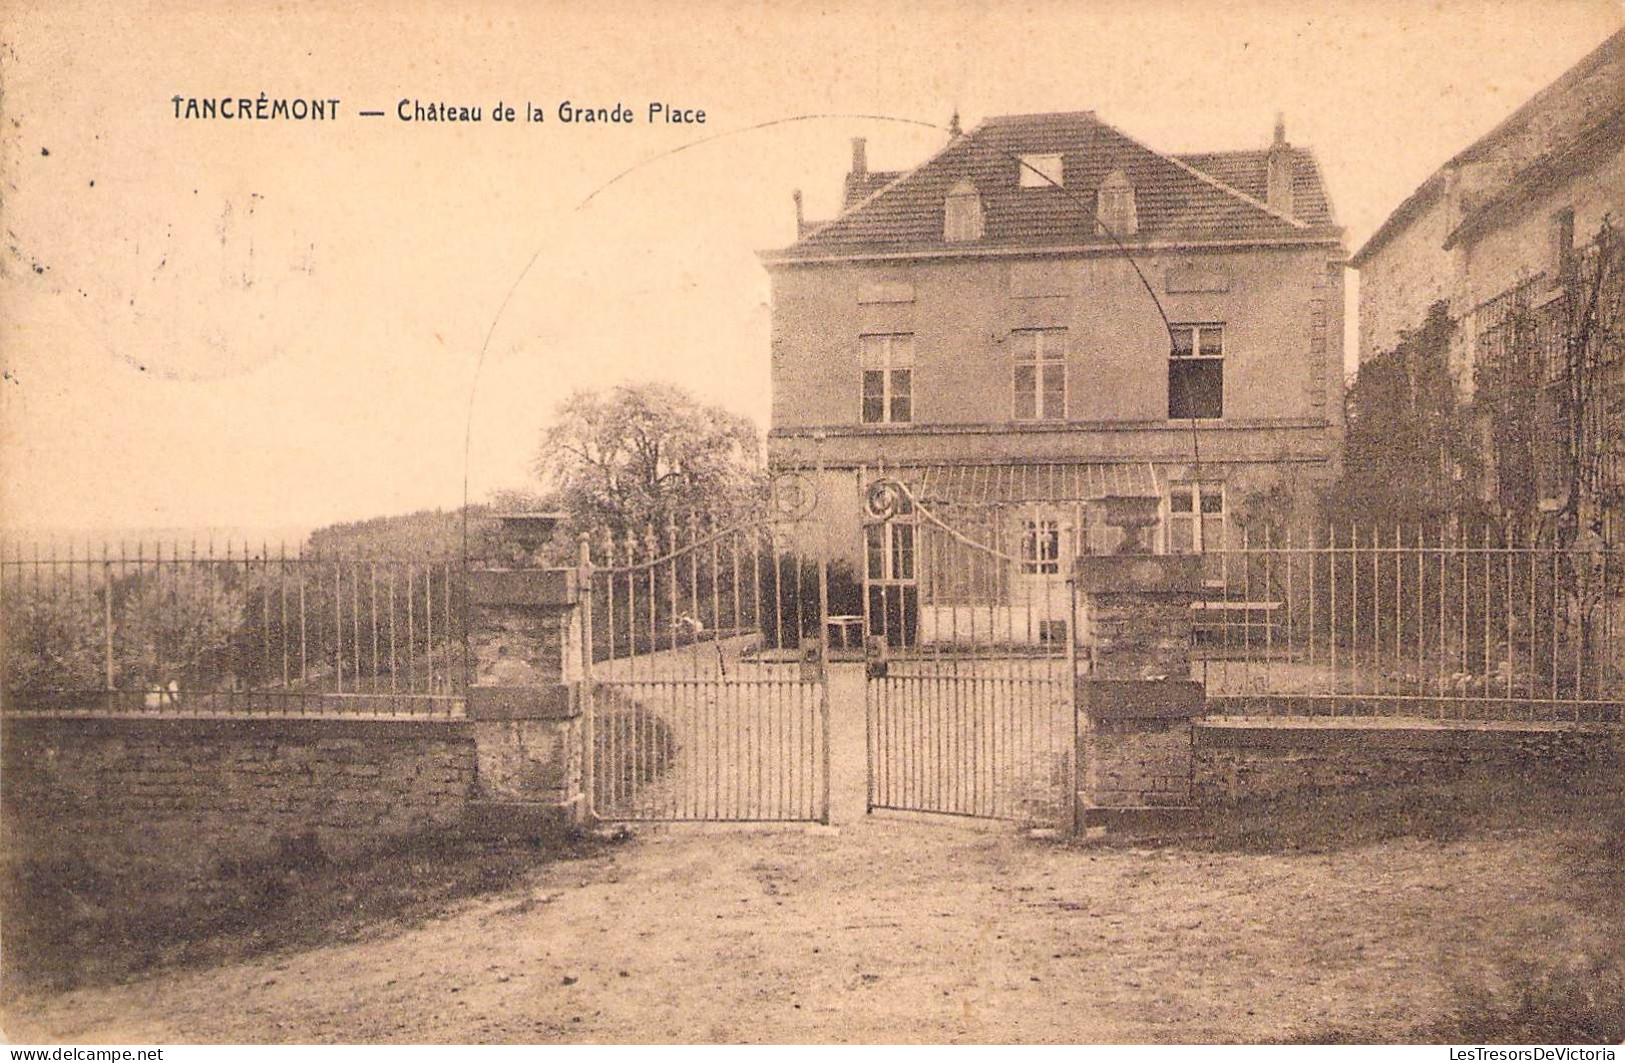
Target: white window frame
{"points": [[1196, 492], [1046, 166], [896, 353], [1041, 546], [962, 214], [1114, 206], [1049, 350], [1196, 328], [894, 534]]}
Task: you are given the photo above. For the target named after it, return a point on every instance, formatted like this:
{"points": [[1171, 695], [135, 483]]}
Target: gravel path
{"points": [[891, 931]]}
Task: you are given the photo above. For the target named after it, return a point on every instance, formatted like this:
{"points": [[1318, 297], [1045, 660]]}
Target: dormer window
{"points": [[962, 214], [1114, 206], [1040, 171]]}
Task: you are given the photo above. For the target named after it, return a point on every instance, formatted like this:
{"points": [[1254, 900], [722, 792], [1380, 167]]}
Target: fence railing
{"points": [[203, 630], [1376, 623]]}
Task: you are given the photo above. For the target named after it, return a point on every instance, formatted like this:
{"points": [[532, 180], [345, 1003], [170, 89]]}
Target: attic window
{"points": [[1040, 171], [1114, 206], [962, 214]]}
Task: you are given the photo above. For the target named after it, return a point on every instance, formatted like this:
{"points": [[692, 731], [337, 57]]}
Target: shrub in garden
{"points": [[632, 746]]}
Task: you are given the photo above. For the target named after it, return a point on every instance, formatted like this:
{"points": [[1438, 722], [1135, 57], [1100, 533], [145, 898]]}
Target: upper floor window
{"points": [[1040, 373], [1040, 171], [962, 214], [888, 378], [1195, 518], [1114, 206], [1196, 372]]}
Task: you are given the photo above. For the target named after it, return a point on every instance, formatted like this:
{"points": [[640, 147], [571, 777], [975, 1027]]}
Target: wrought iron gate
{"points": [[973, 636], [708, 693]]}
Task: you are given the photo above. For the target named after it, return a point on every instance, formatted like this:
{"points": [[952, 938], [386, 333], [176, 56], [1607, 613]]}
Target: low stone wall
{"points": [[1240, 759], [174, 797]]}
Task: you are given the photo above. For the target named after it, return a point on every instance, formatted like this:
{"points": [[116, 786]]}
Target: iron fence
{"points": [[970, 705], [1406, 623], [707, 705], [204, 630]]}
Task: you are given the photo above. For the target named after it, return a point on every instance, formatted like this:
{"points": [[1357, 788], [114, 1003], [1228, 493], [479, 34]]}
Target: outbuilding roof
{"points": [[1545, 127]]}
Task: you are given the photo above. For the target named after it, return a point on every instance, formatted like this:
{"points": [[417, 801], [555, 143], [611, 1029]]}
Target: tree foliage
{"points": [[176, 624], [53, 641], [427, 534], [645, 454], [1406, 443]]}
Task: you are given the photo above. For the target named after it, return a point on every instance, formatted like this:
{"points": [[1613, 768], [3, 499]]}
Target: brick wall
{"points": [[1236, 761], [171, 798], [1139, 636], [1137, 701], [1140, 763]]}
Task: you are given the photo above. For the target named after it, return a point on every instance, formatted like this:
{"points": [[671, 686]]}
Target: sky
{"points": [[272, 324]]}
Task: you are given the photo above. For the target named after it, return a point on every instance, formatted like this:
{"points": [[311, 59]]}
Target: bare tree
{"points": [[646, 454]]}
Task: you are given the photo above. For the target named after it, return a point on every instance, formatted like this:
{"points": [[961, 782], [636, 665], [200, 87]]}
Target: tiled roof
{"points": [[1175, 199], [1545, 174], [1248, 171], [1545, 125], [860, 186]]}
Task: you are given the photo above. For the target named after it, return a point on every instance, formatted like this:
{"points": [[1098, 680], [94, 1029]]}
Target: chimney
{"points": [[1278, 185], [800, 224], [953, 124], [860, 157]]}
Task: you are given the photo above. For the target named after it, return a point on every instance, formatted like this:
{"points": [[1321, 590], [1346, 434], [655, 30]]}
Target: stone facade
{"points": [[1136, 704], [1411, 273], [180, 795], [1521, 242], [1483, 222], [961, 313], [526, 700], [1214, 246], [1238, 760], [1282, 312]]}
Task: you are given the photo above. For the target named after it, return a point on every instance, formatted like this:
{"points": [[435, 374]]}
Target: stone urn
{"points": [[523, 535], [1134, 514]]}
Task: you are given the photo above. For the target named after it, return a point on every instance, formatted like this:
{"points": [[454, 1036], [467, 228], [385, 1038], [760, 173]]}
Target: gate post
{"points": [[1136, 706], [589, 708], [525, 700]]}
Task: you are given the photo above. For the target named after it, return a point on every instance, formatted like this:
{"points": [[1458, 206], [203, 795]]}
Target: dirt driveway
{"points": [[893, 931]]}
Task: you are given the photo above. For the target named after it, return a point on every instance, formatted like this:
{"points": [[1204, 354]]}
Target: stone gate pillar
{"points": [[525, 700], [1137, 703]]}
